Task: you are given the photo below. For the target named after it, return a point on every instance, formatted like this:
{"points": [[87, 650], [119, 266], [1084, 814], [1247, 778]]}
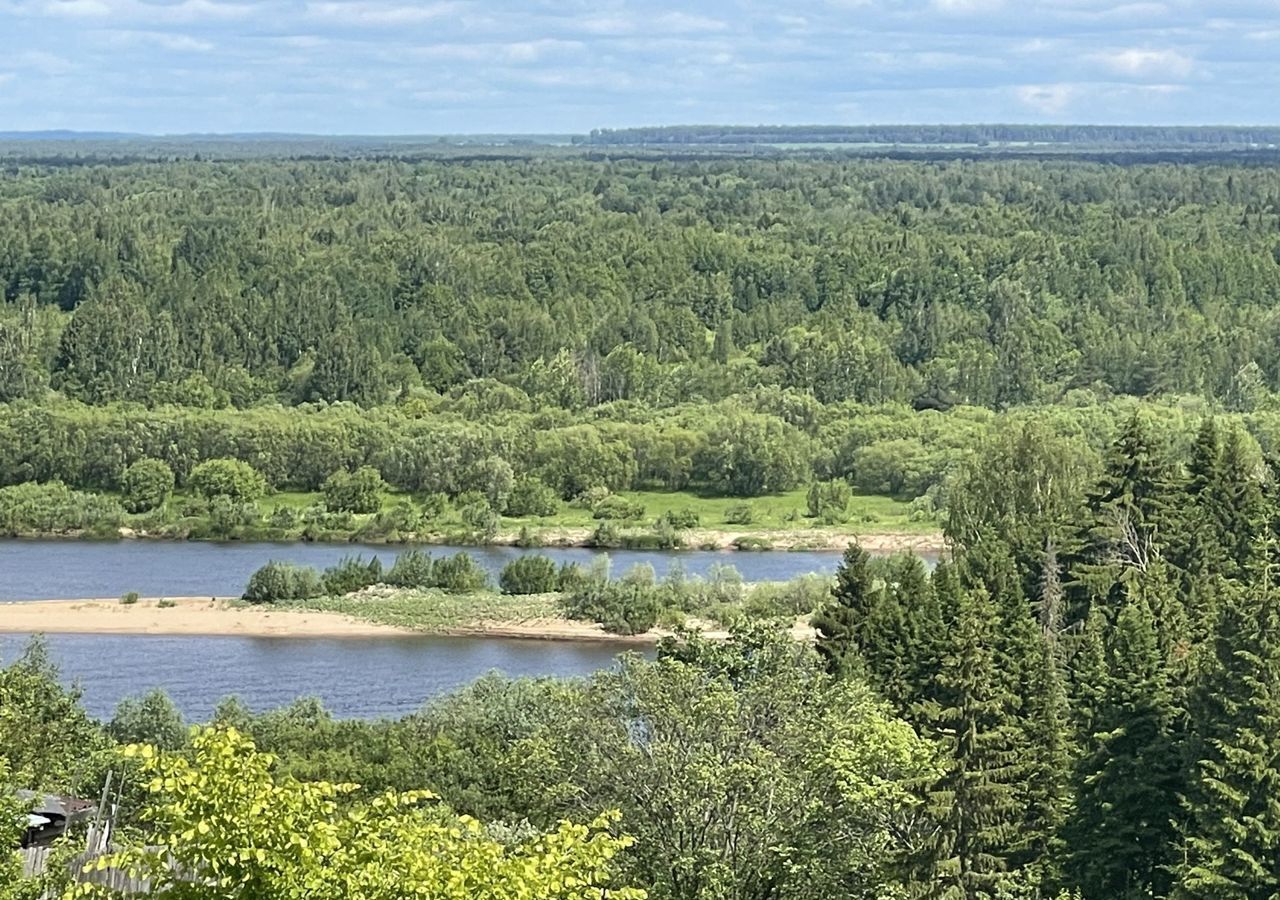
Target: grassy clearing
{"points": [[434, 610], [775, 512], [770, 517]]}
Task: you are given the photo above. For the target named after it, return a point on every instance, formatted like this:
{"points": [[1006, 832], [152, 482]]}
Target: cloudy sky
{"points": [[398, 66]]}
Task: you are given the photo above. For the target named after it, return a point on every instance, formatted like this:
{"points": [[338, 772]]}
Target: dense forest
{"points": [[1071, 368], [736, 328]]}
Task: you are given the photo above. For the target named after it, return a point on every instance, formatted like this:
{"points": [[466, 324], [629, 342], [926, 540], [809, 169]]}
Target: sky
{"points": [[545, 66]]}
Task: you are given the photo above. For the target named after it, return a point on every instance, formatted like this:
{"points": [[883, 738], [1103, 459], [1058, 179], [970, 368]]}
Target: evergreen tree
{"points": [[841, 623], [1240, 508], [1132, 515], [1232, 837], [1048, 732], [975, 803], [1120, 836]]}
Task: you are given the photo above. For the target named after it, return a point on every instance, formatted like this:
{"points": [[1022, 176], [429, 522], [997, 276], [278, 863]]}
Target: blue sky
{"points": [[397, 66]]}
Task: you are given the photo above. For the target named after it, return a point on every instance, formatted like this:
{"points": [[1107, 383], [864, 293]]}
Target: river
{"points": [[71, 570], [362, 678], [355, 678]]}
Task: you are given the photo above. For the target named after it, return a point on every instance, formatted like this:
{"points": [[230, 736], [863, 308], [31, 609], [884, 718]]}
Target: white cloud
{"points": [[967, 7], [166, 40], [1137, 62], [78, 9], [1047, 99], [352, 12]]}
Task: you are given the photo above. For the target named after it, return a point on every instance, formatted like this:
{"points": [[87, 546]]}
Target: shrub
{"points": [[354, 492], [828, 501], [129, 599], [282, 518], [752, 544], [460, 574], [227, 518], [797, 597], [352, 574], [739, 514], [590, 498], [229, 478], [570, 576], [620, 607], [165, 603], [681, 518], [412, 569], [605, 536], [481, 519], [54, 508], [280, 581], [618, 508], [529, 575], [530, 497], [493, 477], [528, 537], [146, 485], [433, 505]]}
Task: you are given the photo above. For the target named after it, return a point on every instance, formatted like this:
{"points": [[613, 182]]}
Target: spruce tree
{"points": [[1240, 508], [1048, 731], [841, 622], [1120, 836], [1232, 837], [975, 803]]}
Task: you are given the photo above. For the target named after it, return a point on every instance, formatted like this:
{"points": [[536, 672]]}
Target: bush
{"points": [[681, 518], [146, 485], [530, 497], [571, 576], [412, 569], [229, 478], [739, 514], [433, 505], [354, 492], [460, 574], [129, 599], [618, 508], [528, 538], [789, 599], [591, 498], [54, 509], [282, 518], [281, 581], [829, 501], [606, 536], [752, 544], [352, 574], [529, 575], [620, 607], [481, 519]]}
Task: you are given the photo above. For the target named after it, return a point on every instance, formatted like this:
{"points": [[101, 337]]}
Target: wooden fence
{"points": [[35, 860]]}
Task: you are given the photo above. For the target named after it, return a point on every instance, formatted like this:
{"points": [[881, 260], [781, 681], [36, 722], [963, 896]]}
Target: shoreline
{"points": [[210, 617], [704, 540]]}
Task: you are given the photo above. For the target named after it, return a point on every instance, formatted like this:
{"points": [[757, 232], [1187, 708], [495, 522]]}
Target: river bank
{"points": [[710, 539], [213, 617]]}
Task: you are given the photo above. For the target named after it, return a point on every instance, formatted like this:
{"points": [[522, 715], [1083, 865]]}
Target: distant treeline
{"points": [[1163, 135]]}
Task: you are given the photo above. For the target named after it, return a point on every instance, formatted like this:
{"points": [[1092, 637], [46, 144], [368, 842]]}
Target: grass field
{"points": [[770, 513], [429, 610]]}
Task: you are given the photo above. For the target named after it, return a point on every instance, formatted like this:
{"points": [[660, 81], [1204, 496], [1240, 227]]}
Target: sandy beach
{"points": [[202, 616], [189, 615]]}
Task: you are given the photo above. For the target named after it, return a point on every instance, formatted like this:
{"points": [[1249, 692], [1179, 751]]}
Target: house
{"points": [[52, 815]]}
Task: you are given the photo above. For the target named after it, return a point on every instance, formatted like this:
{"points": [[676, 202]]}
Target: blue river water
{"points": [[355, 678], [57, 570]]}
